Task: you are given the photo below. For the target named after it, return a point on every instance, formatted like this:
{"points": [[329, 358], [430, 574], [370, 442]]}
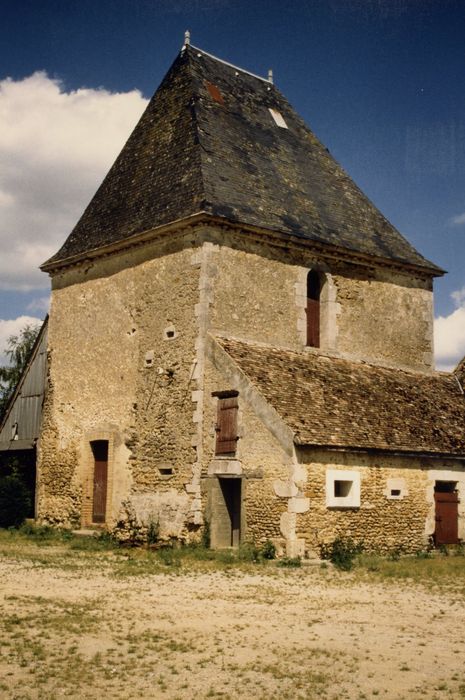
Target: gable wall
{"points": [[377, 315]]}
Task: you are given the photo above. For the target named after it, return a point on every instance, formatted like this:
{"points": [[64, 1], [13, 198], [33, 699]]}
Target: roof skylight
{"points": [[278, 118]]}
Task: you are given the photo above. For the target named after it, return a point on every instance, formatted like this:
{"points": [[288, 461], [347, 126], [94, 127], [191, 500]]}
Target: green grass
{"points": [[54, 548], [437, 570]]}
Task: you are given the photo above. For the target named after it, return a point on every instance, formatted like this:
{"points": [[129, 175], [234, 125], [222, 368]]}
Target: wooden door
{"points": [[99, 500], [446, 516]]}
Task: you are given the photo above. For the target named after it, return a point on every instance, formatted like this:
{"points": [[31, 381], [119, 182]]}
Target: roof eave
{"points": [[394, 452], [280, 237]]}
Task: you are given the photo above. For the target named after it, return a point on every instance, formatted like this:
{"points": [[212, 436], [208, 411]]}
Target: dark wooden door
{"points": [[447, 508], [99, 501]]}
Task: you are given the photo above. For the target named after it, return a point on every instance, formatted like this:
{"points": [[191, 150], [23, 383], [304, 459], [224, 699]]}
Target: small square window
{"points": [[342, 489]]}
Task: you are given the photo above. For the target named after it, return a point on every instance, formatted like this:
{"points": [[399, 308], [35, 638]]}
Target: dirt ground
{"points": [[84, 632]]}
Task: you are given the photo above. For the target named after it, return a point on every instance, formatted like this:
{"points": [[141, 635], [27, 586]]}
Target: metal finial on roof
{"points": [[187, 37], [270, 76]]}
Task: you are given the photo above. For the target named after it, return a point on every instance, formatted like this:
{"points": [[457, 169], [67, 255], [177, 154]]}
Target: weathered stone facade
{"points": [[135, 367], [142, 321], [381, 521], [368, 313]]}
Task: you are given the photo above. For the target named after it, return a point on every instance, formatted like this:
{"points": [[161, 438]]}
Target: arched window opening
{"points": [[313, 309]]}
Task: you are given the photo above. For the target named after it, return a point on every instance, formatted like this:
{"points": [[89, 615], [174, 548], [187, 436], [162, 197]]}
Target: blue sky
{"points": [[381, 83]]}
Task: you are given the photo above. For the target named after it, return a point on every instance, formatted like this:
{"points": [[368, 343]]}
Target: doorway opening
{"points": [[226, 513], [446, 503], [100, 485]]}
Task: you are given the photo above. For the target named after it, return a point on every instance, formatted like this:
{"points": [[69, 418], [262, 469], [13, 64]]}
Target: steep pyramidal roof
{"points": [[208, 143]]}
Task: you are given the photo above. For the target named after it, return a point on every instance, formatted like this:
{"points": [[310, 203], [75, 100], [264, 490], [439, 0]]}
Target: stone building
{"points": [[239, 338]]}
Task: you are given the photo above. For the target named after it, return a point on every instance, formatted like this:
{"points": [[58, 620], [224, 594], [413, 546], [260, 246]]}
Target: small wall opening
{"points": [[342, 489], [445, 486]]}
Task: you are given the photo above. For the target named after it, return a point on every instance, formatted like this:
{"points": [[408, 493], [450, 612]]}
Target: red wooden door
{"points": [[226, 427], [446, 530], [99, 501]]}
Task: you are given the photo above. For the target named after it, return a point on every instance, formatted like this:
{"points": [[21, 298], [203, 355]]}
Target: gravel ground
{"points": [[84, 632]]}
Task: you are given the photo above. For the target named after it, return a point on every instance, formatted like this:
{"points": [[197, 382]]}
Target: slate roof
{"points": [[207, 143], [332, 402]]}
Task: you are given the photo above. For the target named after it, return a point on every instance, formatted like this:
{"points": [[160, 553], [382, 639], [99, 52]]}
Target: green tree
{"points": [[18, 352]]}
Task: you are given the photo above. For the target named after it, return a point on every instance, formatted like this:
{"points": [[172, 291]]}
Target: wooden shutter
{"points": [[313, 323], [226, 427]]}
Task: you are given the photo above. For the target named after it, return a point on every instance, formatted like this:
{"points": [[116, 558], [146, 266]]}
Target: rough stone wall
{"points": [[122, 346], [371, 314], [260, 460], [385, 317], [127, 342], [254, 297], [381, 523]]}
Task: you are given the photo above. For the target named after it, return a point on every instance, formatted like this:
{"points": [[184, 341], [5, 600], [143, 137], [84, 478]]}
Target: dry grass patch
{"points": [[86, 619]]}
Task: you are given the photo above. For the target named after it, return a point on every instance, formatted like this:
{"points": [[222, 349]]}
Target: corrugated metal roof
{"points": [[20, 428]]}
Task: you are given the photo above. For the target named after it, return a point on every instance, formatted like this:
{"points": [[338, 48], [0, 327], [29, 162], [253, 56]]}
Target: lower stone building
{"points": [[326, 447]]}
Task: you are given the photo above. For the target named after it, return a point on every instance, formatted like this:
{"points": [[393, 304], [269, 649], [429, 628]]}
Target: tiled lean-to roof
{"points": [[332, 402], [208, 143]]}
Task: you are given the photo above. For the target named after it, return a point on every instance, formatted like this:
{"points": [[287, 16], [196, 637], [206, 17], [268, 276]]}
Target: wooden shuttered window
{"points": [[226, 425], [313, 309]]}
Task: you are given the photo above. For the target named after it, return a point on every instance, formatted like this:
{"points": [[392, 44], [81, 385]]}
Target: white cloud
{"points": [[39, 304], [458, 220], [449, 334], [55, 147], [459, 297], [13, 327]]}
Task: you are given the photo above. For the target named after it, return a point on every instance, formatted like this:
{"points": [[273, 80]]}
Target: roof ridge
{"points": [[200, 148], [226, 63]]}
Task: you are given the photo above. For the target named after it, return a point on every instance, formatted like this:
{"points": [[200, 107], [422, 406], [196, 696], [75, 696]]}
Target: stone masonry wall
{"points": [[122, 346], [385, 317], [377, 315], [381, 522], [260, 460]]}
